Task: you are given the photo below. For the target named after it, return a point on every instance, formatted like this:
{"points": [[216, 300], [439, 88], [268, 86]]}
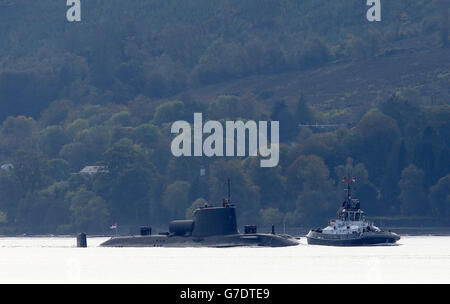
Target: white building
{"points": [[91, 170], [7, 166]]}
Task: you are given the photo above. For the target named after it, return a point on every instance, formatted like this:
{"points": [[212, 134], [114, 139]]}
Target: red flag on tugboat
{"points": [[348, 180]]}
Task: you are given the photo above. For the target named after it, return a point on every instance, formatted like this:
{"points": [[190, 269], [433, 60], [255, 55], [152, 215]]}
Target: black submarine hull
{"points": [[364, 239], [234, 240]]}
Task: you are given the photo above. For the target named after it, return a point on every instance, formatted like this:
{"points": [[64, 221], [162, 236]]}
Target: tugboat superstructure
{"points": [[350, 228]]}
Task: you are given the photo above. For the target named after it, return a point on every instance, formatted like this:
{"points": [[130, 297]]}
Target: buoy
{"points": [[81, 240]]}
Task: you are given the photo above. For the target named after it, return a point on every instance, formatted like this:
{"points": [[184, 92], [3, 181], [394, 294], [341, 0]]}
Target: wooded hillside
{"points": [[106, 90]]}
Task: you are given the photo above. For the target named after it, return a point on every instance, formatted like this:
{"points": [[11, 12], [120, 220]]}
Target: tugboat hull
{"points": [[235, 240], [364, 239]]}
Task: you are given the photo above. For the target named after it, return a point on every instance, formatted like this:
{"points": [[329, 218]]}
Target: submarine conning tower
{"points": [[210, 221]]}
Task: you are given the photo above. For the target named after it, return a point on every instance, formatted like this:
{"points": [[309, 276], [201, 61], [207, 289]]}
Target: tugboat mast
{"points": [[350, 201], [229, 191]]}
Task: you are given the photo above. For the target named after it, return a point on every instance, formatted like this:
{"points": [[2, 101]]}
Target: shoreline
{"points": [[295, 232]]}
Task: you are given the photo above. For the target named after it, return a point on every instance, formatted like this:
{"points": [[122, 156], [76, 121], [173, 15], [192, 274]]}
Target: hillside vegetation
{"points": [[105, 91]]}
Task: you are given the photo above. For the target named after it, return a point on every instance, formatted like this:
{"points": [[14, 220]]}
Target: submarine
{"points": [[211, 227], [350, 228]]}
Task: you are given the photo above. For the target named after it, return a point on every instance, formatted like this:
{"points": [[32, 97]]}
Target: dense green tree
{"points": [[176, 199], [142, 108], [89, 211], [128, 183], [303, 112], [401, 109], [198, 203], [58, 169], [314, 207], [199, 187], [25, 92], [432, 142], [440, 199], [52, 210], [315, 52], [118, 133], [156, 84], [170, 111], [425, 155], [19, 126], [53, 138], [412, 195], [76, 154], [389, 189], [182, 168], [97, 140], [147, 134], [288, 125], [308, 172], [30, 170], [230, 107], [380, 135], [326, 145], [10, 194], [77, 126], [270, 181], [131, 73], [271, 216], [122, 118], [56, 113], [222, 60]]}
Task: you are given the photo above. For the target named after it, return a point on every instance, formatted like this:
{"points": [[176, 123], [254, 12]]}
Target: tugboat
{"points": [[350, 228], [211, 227]]}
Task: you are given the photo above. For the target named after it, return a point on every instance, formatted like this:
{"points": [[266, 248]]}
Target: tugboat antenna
{"points": [[348, 181], [349, 195], [229, 191]]}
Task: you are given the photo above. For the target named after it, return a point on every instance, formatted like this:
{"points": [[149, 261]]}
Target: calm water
{"points": [[56, 260]]}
